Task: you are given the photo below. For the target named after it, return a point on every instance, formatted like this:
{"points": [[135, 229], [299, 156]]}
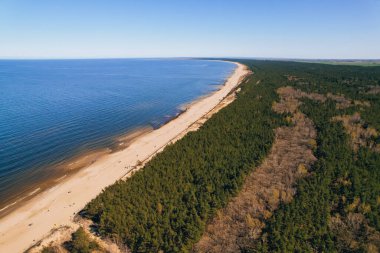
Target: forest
{"points": [[337, 207], [167, 205]]}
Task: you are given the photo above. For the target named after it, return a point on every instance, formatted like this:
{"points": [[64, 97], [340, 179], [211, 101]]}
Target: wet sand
{"points": [[56, 207], [66, 169]]}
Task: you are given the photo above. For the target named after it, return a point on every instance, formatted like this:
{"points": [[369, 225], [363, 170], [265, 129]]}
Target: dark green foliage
{"points": [[50, 249], [81, 243], [166, 205]]}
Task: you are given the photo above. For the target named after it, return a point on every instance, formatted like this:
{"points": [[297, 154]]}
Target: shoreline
{"points": [[56, 171], [68, 168], [56, 207]]}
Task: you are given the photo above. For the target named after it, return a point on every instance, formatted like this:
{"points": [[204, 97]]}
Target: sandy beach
{"points": [[56, 207]]}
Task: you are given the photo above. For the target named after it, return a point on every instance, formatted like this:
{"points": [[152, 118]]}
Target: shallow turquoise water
{"points": [[51, 110]]}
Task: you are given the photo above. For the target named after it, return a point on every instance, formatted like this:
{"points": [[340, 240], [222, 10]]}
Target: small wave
{"points": [[20, 199], [33, 192], [7, 206], [60, 178]]}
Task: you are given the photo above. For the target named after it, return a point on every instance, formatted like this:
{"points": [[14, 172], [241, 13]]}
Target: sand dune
{"points": [[57, 206]]}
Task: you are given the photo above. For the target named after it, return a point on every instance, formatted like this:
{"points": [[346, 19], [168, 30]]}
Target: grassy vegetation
{"points": [[50, 249], [81, 243]]}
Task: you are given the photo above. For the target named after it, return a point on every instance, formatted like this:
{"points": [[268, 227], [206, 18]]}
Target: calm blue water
{"points": [[51, 110]]}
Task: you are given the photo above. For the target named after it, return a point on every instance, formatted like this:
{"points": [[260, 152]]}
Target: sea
{"points": [[52, 111]]}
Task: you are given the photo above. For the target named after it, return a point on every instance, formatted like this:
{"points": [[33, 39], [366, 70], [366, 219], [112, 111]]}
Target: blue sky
{"points": [[191, 28]]}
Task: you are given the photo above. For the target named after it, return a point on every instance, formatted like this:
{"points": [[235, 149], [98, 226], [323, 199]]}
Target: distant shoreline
{"points": [[34, 218]]}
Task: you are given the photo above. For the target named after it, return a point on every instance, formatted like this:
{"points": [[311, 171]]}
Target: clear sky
{"points": [[190, 28]]}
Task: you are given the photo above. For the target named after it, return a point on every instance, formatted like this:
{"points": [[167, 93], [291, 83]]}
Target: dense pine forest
{"points": [[167, 205]]}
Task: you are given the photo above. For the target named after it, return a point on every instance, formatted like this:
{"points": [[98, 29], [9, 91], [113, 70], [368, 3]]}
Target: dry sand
{"points": [[56, 207]]}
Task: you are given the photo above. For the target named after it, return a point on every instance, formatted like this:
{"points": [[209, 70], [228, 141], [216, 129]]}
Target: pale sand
{"points": [[56, 207]]}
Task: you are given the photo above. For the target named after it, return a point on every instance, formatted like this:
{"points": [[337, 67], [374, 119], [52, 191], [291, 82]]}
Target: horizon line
{"points": [[190, 57]]}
